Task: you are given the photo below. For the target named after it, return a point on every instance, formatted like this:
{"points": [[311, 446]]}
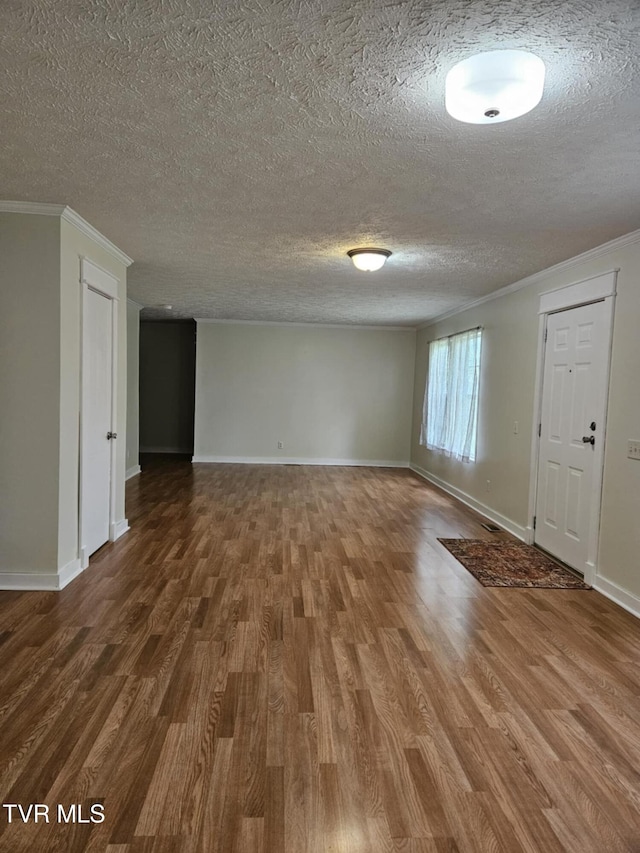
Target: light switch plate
{"points": [[633, 449]]}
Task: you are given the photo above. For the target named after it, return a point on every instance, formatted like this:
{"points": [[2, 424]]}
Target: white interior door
{"points": [[97, 394], [572, 431]]}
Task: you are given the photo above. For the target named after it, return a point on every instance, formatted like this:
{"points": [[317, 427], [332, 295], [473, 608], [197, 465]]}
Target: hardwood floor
{"points": [[285, 660]]}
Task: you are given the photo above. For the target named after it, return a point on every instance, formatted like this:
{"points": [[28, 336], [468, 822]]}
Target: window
{"points": [[450, 412]]}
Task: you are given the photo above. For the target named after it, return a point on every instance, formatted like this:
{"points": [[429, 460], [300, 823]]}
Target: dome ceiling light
{"points": [[368, 260], [495, 86]]}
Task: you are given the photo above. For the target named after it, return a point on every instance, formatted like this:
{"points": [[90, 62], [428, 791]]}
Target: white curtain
{"points": [[450, 411]]}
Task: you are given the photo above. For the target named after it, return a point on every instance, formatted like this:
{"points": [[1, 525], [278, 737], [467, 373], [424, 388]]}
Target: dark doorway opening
{"points": [[167, 386]]}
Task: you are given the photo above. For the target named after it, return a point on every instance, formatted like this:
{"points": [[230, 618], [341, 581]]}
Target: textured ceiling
{"points": [[237, 149]]}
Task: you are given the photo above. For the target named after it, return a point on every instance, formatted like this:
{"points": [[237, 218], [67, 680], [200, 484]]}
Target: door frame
{"points": [[596, 288], [93, 277]]}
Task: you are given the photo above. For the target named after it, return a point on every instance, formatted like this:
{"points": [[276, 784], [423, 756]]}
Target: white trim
{"points": [[26, 581], [592, 289], [379, 328], [301, 460], [69, 215], [535, 438], [181, 450], [114, 412], [93, 277], [501, 520], [67, 573], [36, 208], [98, 279], [538, 277], [45, 581], [82, 225], [601, 287], [134, 303], [118, 529], [618, 594], [132, 472]]}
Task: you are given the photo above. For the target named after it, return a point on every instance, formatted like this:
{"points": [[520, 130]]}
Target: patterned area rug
{"points": [[511, 564]]}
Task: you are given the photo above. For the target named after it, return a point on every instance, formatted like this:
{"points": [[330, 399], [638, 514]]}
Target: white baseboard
{"points": [[131, 472], [69, 572], [24, 581], [181, 450], [618, 594], [118, 529], [301, 460], [501, 520], [43, 581]]}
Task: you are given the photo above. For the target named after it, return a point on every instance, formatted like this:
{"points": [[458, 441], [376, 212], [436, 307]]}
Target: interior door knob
{"points": [[111, 435], [588, 439]]}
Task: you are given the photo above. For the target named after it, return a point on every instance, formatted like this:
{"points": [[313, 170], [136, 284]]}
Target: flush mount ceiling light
{"points": [[368, 260], [495, 86]]}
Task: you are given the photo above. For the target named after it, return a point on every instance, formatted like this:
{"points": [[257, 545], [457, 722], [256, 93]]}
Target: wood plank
{"points": [[284, 659]]}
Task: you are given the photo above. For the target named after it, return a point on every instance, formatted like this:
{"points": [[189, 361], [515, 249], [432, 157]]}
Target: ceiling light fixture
{"points": [[495, 86], [368, 260]]}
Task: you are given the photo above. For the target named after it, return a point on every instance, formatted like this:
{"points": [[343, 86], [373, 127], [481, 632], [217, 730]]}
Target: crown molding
{"points": [[69, 215], [82, 225], [135, 304], [538, 277], [379, 328], [34, 207]]}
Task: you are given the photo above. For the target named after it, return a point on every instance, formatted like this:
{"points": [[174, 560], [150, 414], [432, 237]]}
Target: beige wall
{"points": [[133, 388], [76, 245], [29, 385], [508, 368], [40, 394], [326, 393], [507, 394]]}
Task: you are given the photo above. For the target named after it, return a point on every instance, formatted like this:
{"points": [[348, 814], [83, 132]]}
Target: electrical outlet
{"points": [[280, 445], [633, 449]]}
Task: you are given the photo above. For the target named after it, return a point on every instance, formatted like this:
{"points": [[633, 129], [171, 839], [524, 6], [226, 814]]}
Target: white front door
{"points": [[572, 431], [97, 392]]}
